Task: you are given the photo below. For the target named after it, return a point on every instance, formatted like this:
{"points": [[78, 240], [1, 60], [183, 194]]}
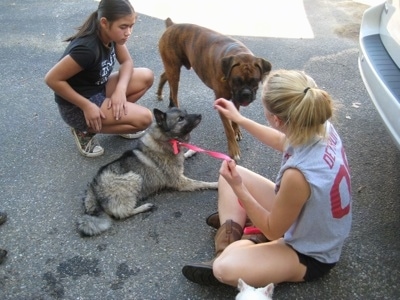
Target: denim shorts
{"points": [[74, 116], [315, 268]]}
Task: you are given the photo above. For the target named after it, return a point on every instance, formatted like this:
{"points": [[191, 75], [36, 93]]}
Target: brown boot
{"points": [[256, 238], [254, 234], [213, 221], [202, 273]]}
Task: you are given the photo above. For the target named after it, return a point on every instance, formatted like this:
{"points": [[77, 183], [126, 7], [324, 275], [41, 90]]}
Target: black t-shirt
{"points": [[97, 62]]}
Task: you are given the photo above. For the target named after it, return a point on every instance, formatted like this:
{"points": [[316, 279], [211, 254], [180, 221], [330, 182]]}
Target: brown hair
{"points": [[112, 10], [295, 99]]}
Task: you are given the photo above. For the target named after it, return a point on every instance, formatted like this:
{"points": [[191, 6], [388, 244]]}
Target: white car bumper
{"points": [[379, 72]]}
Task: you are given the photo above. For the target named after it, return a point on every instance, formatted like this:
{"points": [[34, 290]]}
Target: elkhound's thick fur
{"points": [[149, 167]]}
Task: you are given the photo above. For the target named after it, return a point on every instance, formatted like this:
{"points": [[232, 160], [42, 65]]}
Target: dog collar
{"points": [[175, 148]]}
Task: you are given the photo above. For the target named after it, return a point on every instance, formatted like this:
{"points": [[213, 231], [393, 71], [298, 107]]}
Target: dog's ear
{"points": [[227, 63], [168, 22], [242, 285], [268, 290], [264, 66], [159, 116]]}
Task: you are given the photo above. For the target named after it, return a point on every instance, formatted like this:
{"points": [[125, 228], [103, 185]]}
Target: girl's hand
{"points": [[117, 103], [230, 174], [93, 116], [228, 109]]}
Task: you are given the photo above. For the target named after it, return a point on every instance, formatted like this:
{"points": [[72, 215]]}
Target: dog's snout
{"points": [[197, 119], [244, 97], [246, 94]]}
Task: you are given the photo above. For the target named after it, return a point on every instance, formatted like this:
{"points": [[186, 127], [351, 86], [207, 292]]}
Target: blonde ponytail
{"points": [[295, 99]]}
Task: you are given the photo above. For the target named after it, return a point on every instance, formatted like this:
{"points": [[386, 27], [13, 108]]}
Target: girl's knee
{"points": [[224, 270], [149, 77], [145, 75], [148, 117], [145, 119]]}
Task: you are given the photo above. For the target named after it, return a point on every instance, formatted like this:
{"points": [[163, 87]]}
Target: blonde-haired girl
{"points": [[292, 230]]}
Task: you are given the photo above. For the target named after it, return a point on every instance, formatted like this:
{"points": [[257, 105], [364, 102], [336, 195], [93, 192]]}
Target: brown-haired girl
{"points": [[91, 99], [292, 230]]}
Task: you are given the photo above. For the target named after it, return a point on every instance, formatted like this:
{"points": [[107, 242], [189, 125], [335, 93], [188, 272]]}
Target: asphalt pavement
{"points": [[43, 177]]}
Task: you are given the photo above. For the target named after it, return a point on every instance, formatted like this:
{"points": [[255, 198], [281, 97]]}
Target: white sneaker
{"points": [[87, 144], [131, 136]]}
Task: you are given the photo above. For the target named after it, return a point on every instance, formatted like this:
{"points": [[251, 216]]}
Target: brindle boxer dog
{"points": [[224, 64]]}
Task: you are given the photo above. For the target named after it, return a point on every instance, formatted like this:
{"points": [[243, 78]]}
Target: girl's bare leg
{"points": [[142, 79], [138, 117], [229, 207], [258, 264]]}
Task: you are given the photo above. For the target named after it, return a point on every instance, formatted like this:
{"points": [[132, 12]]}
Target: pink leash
{"points": [[251, 230], [175, 144], [218, 155]]}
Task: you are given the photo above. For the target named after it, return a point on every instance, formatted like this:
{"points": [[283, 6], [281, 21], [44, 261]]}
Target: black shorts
{"points": [[315, 268], [74, 116]]}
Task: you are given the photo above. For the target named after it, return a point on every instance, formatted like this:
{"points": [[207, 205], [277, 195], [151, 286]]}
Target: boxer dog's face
{"points": [[244, 74], [244, 88]]}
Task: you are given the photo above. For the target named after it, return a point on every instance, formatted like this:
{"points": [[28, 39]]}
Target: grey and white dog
{"points": [[149, 167]]}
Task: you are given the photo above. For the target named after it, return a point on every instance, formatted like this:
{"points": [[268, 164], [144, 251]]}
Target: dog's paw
{"points": [[235, 155], [148, 206], [143, 208], [189, 153], [238, 136]]}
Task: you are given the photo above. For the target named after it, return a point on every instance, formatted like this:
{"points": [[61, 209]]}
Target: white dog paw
{"points": [[189, 153], [148, 206], [143, 208]]}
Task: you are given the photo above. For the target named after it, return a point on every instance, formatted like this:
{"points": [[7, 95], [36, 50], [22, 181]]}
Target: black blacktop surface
{"points": [[42, 176]]}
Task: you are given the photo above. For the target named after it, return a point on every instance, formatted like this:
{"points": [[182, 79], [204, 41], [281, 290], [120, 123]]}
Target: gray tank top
{"points": [[325, 219]]}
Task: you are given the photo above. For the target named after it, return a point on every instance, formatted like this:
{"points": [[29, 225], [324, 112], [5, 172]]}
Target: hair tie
{"points": [[306, 89]]}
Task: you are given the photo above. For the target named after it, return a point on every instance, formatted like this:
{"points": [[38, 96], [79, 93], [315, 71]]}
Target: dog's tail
{"points": [[95, 220], [168, 22]]}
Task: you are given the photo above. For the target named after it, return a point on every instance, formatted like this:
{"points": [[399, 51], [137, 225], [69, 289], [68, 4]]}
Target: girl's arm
{"points": [[126, 66], [293, 194], [267, 135], [57, 78], [118, 97]]}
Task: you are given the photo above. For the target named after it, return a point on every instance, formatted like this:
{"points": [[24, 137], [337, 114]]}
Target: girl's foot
{"points": [[87, 144], [131, 136]]}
